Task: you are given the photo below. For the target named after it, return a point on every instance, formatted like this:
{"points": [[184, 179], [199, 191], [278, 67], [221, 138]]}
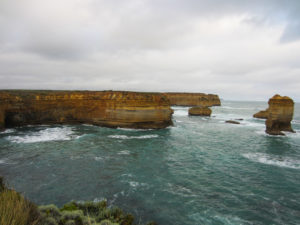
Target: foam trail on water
{"points": [[48, 134], [133, 137], [273, 160]]}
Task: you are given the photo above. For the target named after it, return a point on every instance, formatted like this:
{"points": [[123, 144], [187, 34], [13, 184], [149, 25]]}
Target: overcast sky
{"points": [[246, 50]]}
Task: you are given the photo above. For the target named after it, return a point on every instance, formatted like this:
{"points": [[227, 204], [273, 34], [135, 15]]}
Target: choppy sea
{"points": [[199, 171]]}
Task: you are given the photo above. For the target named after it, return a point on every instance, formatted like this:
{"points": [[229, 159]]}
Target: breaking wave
{"points": [[273, 160], [48, 134], [8, 131], [133, 137]]}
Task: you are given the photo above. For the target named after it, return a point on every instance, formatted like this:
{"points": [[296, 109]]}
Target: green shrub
{"points": [[92, 208], [107, 222], [71, 206], [16, 210], [49, 211], [48, 221], [76, 216]]}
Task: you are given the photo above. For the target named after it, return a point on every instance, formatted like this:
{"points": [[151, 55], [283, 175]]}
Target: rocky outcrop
{"points": [[280, 115], [263, 114], [232, 122], [192, 99], [103, 108], [200, 111]]}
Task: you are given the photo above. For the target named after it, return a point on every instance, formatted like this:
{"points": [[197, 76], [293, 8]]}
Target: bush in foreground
{"points": [[16, 210]]}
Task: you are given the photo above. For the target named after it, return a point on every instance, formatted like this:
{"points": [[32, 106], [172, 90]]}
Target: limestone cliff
{"points": [[200, 111], [280, 115], [193, 99], [103, 108]]}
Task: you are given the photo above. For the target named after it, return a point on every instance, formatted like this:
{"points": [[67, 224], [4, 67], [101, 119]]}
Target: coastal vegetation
{"points": [[15, 209]]}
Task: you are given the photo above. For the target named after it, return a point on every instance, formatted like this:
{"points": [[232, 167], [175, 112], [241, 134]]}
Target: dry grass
{"points": [[16, 210]]}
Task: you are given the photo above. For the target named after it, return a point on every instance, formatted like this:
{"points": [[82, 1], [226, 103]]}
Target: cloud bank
{"points": [[237, 49]]}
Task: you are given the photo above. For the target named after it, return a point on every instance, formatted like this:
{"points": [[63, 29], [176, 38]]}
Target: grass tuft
{"points": [[16, 210]]}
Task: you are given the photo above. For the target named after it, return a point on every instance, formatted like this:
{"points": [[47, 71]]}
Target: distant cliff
{"points": [[192, 99], [103, 108]]}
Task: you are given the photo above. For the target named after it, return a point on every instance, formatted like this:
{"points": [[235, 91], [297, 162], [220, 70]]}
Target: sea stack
{"points": [[200, 111], [103, 108], [280, 115]]}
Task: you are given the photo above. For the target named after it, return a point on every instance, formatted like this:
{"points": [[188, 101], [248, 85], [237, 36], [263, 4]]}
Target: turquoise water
{"points": [[200, 171]]}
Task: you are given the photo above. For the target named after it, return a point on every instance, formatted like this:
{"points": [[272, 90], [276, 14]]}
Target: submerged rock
{"points": [[263, 114], [280, 115], [199, 111], [232, 121]]}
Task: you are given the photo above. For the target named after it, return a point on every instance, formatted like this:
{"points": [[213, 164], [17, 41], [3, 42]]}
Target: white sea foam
{"points": [[252, 124], [98, 158], [88, 125], [6, 161], [125, 152], [135, 184], [180, 111], [8, 131], [133, 137], [240, 108], [132, 129], [48, 134], [287, 134], [295, 122], [273, 160]]}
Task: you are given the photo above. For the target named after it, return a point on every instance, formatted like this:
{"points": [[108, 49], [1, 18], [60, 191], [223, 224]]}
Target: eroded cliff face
{"points": [[103, 108], [280, 115], [193, 99]]}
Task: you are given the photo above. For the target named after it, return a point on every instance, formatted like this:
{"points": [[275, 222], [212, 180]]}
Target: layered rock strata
{"points": [[103, 108], [193, 99], [263, 114], [199, 111], [280, 115]]}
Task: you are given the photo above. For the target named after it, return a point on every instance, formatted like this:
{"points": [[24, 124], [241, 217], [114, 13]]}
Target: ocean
{"points": [[199, 171]]}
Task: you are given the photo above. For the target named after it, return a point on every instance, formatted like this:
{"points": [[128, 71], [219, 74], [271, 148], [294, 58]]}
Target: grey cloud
{"points": [[74, 30], [235, 48]]}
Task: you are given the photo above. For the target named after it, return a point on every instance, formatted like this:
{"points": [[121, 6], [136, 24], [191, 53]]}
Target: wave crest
{"points": [[273, 160]]}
